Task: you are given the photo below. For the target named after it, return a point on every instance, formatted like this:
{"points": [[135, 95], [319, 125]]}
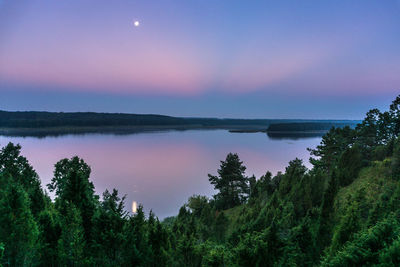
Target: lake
{"points": [[161, 170]]}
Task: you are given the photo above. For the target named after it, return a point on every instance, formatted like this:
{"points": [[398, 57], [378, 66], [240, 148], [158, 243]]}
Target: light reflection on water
{"points": [[161, 170]]}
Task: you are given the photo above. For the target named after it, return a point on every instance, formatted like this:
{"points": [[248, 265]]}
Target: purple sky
{"points": [[225, 58]]}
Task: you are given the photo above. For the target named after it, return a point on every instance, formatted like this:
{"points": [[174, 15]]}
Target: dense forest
{"points": [[344, 211], [41, 124], [35, 119]]}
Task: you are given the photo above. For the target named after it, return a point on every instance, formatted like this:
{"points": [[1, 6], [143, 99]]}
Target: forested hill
{"points": [[33, 123], [34, 119], [344, 211]]}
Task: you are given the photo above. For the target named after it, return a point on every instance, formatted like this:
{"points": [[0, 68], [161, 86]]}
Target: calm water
{"points": [[161, 170]]}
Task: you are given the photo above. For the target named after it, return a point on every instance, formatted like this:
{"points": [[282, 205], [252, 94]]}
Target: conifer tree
{"points": [[71, 244], [18, 230], [72, 186], [231, 183]]}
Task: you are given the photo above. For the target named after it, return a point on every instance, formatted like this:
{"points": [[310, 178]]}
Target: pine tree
{"points": [[72, 186], [396, 160], [18, 230], [13, 165], [349, 165], [109, 222], [231, 182], [135, 247], [71, 244], [325, 227]]}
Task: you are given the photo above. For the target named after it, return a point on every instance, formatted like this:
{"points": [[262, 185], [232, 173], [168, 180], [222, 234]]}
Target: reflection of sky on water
{"points": [[161, 170]]}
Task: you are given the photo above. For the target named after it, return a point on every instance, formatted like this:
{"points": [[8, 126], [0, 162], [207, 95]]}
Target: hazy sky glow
{"points": [[225, 58]]}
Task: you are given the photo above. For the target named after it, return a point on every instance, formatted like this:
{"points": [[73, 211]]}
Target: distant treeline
{"points": [[53, 119], [34, 119], [308, 126]]}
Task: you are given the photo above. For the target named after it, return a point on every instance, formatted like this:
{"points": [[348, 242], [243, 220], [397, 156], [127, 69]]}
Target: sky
{"points": [[206, 58]]}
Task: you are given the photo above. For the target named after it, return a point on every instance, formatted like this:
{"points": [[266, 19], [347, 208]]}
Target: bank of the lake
{"points": [[161, 169]]}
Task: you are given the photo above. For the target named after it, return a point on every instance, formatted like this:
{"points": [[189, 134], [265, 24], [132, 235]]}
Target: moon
{"points": [[136, 23], [134, 206]]}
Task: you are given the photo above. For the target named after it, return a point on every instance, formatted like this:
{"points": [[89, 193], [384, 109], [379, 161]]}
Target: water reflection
{"points": [[161, 170], [294, 135], [134, 207]]}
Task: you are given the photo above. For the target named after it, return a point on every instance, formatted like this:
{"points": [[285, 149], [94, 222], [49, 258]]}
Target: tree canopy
{"points": [[344, 211], [231, 183]]}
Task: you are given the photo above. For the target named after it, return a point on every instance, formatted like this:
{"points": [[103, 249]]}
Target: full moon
{"points": [[136, 23], [134, 207]]}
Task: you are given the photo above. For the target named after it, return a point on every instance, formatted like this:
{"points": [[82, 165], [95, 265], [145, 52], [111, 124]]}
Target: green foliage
{"points": [[331, 147], [145, 242], [259, 248], [380, 152], [294, 174], [342, 212], [17, 167], [49, 223], [214, 255], [231, 182], [390, 255], [108, 236], [72, 186], [71, 244], [348, 225], [1, 253], [18, 230], [349, 164], [394, 117], [375, 245], [396, 160]]}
